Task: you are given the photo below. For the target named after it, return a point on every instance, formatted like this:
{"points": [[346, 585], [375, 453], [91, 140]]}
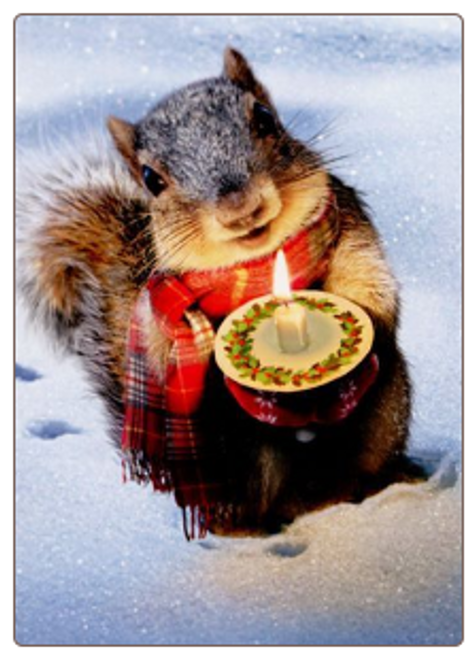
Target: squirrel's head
{"points": [[226, 181]]}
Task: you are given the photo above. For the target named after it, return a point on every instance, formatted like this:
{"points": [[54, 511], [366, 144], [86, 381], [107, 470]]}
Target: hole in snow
{"points": [[287, 549], [26, 374], [51, 429]]}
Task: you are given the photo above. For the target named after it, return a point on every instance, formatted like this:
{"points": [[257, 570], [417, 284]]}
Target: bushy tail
{"points": [[83, 252]]}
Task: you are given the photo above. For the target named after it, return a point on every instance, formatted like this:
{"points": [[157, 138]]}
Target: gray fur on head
{"points": [[202, 133]]}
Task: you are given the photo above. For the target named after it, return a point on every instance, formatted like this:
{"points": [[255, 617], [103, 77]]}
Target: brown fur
{"points": [[90, 245]]}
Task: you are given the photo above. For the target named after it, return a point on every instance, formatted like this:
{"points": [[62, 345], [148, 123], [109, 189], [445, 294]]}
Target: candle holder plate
{"points": [[247, 349]]}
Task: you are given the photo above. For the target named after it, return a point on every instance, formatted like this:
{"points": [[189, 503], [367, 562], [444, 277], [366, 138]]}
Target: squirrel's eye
{"points": [[153, 181], [264, 121]]}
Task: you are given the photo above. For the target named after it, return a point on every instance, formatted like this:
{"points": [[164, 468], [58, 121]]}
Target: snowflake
{"points": [[267, 417], [267, 403]]}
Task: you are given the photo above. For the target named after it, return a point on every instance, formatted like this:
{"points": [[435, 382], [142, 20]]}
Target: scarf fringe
{"points": [[137, 468], [195, 521], [202, 502], [198, 520]]}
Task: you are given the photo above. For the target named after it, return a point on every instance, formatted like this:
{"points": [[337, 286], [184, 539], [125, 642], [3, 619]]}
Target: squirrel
{"points": [[208, 179]]}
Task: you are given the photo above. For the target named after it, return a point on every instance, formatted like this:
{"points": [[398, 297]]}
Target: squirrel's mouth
{"points": [[256, 237]]}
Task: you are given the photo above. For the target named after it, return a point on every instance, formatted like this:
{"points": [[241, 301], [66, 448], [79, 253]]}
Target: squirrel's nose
{"points": [[235, 200], [248, 206], [239, 209], [232, 187]]}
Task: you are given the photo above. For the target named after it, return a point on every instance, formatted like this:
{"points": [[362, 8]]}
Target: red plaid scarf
{"points": [[162, 410]]}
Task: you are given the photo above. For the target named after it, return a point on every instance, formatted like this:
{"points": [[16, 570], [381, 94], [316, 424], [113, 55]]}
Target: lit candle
{"points": [[289, 317]]}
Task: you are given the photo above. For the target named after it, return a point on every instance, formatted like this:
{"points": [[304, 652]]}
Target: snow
{"points": [[100, 562]]}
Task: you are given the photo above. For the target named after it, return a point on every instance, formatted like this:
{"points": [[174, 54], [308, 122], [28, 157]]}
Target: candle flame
{"points": [[281, 285]]}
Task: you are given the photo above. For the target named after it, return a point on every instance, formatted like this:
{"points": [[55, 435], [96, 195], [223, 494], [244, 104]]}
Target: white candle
{"points": [[289, 318], [290, 321]]}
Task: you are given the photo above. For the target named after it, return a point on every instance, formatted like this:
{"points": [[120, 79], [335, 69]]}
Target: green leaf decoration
{"points": [[262, 376]]}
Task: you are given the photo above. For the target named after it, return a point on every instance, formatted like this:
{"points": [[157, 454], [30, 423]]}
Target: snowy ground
{"points": [[103, 563]]}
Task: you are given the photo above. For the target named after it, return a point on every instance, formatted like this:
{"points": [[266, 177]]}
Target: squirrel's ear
{"points": [[237, 69], [123, 134]]}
